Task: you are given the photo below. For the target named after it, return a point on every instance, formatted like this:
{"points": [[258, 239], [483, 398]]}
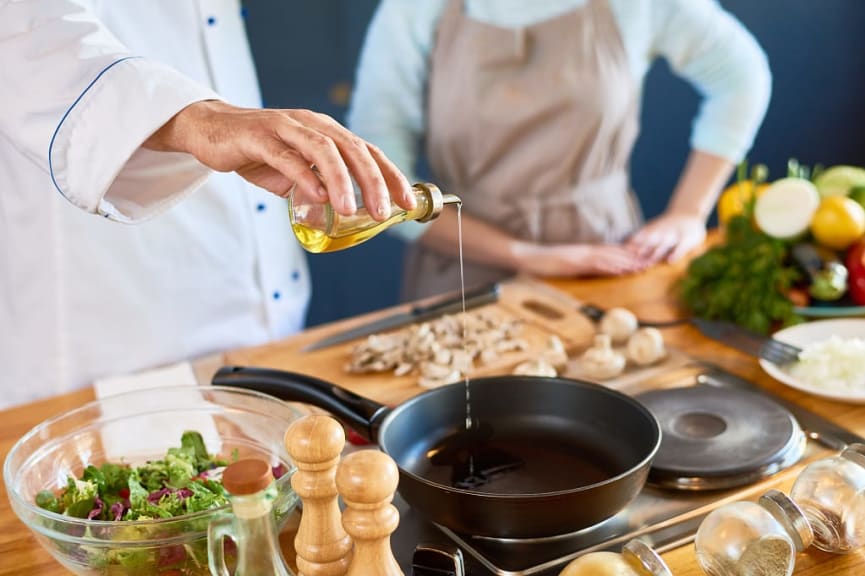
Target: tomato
{"points": [[855, 262]]}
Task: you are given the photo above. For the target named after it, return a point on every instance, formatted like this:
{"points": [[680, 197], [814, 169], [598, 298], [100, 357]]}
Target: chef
{"points": [[529, 111], [114, 113]]}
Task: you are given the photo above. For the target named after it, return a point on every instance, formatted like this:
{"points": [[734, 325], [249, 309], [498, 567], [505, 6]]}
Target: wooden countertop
{"points": [[650, 295]]}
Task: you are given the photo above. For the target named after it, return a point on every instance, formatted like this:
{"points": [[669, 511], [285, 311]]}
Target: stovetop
{"points": [[664, 518]]}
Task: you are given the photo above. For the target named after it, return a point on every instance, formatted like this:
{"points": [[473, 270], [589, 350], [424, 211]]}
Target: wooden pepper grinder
{"points": [[315, 443], [367, 480]]}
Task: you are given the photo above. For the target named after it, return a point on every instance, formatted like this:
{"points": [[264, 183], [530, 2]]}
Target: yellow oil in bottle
{"points": [[319, 228]]}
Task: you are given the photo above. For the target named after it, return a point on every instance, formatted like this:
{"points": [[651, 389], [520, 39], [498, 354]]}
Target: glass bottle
{"points": [[320, 229], [749, 538], [831, 493], [637, 559], [251, 525]]}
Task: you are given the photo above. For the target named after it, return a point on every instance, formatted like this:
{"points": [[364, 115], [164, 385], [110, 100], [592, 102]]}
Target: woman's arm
{"points": [[711, 49], [493, 247]]}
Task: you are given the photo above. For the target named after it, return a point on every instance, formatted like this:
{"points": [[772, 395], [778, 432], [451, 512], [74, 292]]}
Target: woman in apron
{"points": [[529, 112]]}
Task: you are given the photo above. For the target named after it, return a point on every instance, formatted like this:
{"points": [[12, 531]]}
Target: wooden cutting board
{"points": [[542, 310]]}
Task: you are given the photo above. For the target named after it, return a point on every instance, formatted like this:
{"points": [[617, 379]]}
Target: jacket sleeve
{"points": [[75, 101], [711, 49]]}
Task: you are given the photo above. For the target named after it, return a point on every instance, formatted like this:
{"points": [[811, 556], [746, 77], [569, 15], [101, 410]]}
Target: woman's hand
{"points": [[572, 260], [275, 149], [668, 237]]}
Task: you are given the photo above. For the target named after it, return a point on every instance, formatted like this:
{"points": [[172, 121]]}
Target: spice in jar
{"points": [[831, 493], [748, 538]]}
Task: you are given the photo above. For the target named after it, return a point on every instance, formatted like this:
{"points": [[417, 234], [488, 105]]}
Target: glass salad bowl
{"points": [[135, 428]]}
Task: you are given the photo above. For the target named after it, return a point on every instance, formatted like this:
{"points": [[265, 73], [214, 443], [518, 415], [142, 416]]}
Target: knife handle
{"points": [[453, 304]]}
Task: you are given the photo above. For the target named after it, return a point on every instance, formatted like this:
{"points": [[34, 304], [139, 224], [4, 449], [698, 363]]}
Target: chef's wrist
{"points": [[178, 134]]}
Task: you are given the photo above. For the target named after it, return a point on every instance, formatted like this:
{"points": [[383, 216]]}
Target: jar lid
{"points": [[855, 453], [246, 477], [636, 552], [788, 513]]}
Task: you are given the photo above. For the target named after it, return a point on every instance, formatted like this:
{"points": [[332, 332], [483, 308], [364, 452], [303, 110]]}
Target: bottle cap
{"points": [[638, 553], [855, 453], [788, 513], [436, 200], [246, 477]]}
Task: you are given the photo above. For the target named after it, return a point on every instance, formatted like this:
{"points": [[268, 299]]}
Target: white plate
{"points": [[809, 333]]}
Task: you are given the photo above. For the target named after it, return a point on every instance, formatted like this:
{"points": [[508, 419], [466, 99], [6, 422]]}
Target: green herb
{"points": [[744, 280]]}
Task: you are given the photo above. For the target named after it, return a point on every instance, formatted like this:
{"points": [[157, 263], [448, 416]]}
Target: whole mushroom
{"points": [[601, 362], [619, 324], [646, 346]]}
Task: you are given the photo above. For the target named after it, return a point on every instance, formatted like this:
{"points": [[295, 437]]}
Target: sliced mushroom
{"points": [[539, 367], [646, 346], [554, 353]]}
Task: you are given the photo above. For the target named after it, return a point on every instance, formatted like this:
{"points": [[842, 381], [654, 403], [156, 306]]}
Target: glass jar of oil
{"points": [[320, 229]]}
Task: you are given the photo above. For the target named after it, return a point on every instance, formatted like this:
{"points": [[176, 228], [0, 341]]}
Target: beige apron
{"points": [[533, 128]]}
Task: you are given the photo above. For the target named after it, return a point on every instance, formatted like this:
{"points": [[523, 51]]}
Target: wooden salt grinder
{"points": [[315, 443], [367, 480]]}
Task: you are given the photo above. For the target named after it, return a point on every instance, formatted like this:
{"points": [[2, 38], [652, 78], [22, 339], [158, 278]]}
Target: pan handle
{"points": [[362, 414]]}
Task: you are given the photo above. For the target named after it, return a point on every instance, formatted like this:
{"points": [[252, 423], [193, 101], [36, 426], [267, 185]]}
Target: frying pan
{"points": [[543, 456]]}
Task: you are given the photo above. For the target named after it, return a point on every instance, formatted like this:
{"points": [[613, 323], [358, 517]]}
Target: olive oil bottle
{"points": [[320, 229]]}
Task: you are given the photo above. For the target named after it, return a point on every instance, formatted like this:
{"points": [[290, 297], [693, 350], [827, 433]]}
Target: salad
{"points": [[187, 480], [184, 483]]}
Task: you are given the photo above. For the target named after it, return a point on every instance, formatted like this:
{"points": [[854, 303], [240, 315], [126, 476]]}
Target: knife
{"points": [[450, 304], [749, 342]]}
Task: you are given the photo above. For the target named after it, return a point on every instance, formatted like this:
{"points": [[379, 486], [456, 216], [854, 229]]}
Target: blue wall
{"points": [[306, 52]]}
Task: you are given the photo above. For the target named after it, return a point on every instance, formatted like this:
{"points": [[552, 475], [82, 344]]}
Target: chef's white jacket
{"points": [[114, 258]]}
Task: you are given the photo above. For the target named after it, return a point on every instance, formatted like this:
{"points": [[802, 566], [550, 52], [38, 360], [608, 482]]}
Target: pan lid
{"points": [[715, 438]]}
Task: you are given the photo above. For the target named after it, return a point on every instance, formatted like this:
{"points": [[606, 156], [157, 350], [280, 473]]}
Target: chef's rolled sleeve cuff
{"points": [[95, 156]]}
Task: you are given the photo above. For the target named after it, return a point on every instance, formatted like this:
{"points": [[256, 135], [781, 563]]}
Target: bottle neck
{"points": [[790, 516], [644, 559]]}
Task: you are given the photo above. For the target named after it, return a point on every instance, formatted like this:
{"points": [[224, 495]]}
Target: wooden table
{"points": [[649, 295]]}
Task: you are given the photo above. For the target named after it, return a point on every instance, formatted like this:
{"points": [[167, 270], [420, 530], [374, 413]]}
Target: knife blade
{"points": [[450, 304], [744, 340]]}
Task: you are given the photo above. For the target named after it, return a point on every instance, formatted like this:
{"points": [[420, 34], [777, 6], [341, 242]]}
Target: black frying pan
{"points": [[544, 456]]}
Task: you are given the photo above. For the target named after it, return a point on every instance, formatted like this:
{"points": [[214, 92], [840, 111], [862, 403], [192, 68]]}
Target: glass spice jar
{"points": [[749, 538], [831, 493], [251, 491], [637, 559]]}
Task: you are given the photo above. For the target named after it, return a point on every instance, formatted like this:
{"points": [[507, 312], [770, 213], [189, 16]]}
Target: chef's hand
{"points": [[573, 260], [668, 237], [275, 149]]}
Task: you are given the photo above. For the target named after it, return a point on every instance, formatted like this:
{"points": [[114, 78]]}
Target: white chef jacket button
{"points": [[211, 21], [243, 12], [277, 295], [295, 275], [261, 206]]}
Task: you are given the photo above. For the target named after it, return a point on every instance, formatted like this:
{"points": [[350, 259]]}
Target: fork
{"points": [[779, 353], [595, 313]]}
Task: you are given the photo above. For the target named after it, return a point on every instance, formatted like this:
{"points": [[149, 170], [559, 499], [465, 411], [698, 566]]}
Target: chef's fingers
{"points": [[294, 168], [356, 153], [400, 189], [320, 150]]}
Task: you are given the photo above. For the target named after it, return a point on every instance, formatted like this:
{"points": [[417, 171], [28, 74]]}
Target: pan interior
{"points": [[525, 456], [528, 437]]}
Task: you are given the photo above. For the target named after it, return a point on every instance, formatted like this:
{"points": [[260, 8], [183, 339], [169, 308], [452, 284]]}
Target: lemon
{"points": [[838, 222], [839, 180], [734, 198]]}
